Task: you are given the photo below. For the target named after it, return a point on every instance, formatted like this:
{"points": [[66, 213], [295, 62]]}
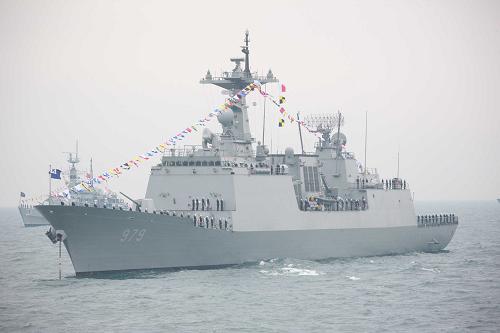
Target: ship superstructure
{"points": [[94, 196], [224, 203]]}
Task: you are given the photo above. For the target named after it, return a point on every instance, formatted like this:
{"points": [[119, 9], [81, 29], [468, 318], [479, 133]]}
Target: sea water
{"points": [[455, 290]]}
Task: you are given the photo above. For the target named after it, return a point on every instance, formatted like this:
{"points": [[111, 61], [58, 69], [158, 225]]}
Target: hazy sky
{"points": [[121, 76]]}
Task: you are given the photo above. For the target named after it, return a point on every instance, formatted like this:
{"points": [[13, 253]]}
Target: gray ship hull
{"points": [[32, 217], [99, 240]]}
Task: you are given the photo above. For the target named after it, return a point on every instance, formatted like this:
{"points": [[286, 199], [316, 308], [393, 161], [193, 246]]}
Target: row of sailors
{"points": [[338, 204], [244, 165], [210, 223], [430, 220], [394, 184], [161, 212], [196, 204], [199, 221], [25, 205], [104, 205], [204, 204], [277, 169]]}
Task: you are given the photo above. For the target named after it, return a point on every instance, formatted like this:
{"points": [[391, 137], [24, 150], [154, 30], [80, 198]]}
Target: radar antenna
{"points": [[324, 124], [73, 156]]}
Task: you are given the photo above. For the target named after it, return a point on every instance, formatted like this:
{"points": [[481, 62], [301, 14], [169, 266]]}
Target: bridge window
{"points": [[191, 163], [185, 163], [217, 163], [211, 163], [198, 163], [204, 163]]}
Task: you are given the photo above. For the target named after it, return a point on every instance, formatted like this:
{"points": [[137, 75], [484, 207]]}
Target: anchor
{"points": [[57, 236]]}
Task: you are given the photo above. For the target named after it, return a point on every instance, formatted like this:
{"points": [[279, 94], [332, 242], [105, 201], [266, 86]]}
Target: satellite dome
{"points": [[339, 137], [226, 118]]}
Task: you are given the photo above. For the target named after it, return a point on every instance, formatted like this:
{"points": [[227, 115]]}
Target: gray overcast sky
{"points": [[121, 76]]}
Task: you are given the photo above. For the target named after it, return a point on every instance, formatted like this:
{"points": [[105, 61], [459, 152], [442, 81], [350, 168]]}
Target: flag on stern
{"points": [[55, 174]]}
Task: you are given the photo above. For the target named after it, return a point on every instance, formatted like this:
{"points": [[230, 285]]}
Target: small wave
{"points": [[291, 271], [300, 271], [434, 270], [353, 278]]}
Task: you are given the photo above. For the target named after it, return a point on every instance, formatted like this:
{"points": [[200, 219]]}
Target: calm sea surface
{"points": [[456, 290]]}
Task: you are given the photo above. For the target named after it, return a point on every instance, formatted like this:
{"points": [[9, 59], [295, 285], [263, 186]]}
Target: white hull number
{"points": [[131, 235]]}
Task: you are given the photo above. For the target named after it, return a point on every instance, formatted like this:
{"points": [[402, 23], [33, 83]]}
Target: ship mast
{"points": [[339, 147], [236, 129], [246, 51], [366, 136], [73, 174]]}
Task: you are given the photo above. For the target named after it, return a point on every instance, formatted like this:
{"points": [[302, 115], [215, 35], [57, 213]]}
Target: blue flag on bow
{"points": [[55, 174]]}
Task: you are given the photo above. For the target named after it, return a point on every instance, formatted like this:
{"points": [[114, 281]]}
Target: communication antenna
{"points": [[264, 120], [366, 135], [340, 122], [91, 169], [300, 133], [398, 162]]}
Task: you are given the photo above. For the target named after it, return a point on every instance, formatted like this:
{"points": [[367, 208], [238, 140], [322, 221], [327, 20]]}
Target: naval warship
{"points": [[231, 201], [31, 217]]}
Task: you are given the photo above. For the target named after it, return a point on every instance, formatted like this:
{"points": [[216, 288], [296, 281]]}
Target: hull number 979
{"points": [[132, 235]]}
